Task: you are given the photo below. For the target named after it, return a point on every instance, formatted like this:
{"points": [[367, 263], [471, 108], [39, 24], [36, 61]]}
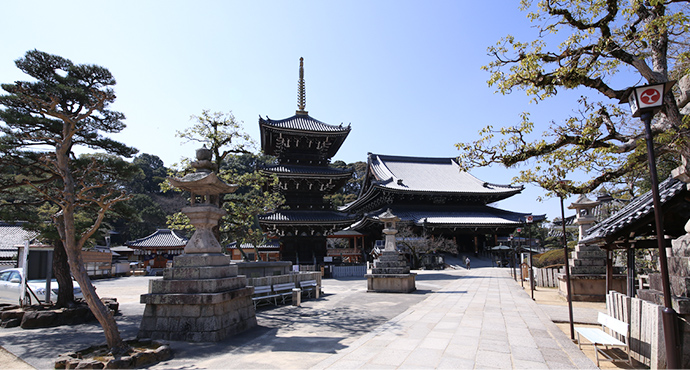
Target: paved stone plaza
{"points": [[477, 318]]}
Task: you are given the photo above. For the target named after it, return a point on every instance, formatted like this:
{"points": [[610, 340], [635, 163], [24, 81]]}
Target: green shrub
{"points": [[550, 258]]}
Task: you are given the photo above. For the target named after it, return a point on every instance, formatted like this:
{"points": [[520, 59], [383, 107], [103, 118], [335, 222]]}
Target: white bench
{"points": [[599, 337], [310, 286], [284, 290], [264, 293]]}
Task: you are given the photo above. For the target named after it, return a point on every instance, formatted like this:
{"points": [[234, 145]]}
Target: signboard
{"points": [[530, 219], [327, 259], [649, 96]]}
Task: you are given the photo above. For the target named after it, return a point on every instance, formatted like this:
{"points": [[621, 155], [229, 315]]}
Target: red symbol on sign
{"points": [[650, 96]]}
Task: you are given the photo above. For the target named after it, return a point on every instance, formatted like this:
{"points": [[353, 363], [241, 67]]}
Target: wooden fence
{"points": [[547, 277], [646, 337], [349, 271]]}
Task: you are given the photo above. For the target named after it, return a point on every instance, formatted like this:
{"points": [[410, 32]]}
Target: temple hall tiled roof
{"points": [[389, 176], [456, 216], [303, 122], [430, 175], [634, 212], [162, 238]]}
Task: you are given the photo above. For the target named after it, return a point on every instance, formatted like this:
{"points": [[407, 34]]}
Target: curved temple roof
{"points": [[423, 175], [635, 212], [161, 238], [303, 122], [454, 216], [430, 175]]}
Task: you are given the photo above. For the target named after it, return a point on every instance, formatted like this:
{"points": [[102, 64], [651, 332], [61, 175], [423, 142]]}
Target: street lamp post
{"points": [[529, 220], [644, 102], [567, 273]]}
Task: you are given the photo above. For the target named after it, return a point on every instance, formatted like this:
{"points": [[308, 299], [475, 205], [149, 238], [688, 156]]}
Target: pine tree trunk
{"points": [[100, 311], [61, 271], [68, 233]]}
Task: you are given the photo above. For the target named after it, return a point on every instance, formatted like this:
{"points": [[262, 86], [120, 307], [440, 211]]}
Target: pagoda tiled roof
{"points": [[161, 239], [303, 122], [308, 170], [640, 212], [306, 217]]}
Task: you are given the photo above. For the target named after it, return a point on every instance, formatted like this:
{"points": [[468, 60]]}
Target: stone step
{"points": [[587, 262], [588, 270], [196, 273], [390, 271], [162, 286], [201, 260], [582, 247], [588, 254]]}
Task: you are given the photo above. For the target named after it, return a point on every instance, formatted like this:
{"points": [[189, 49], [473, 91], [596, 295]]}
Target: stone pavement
{"points": [[484, 320], [477, 318]]}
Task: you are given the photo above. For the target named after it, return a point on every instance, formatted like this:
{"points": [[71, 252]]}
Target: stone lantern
{"points": [[390, 273], [201, 298], [389, 222], [584, 215], [205, 212]]}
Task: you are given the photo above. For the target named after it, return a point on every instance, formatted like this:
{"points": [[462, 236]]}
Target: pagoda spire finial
{"points": [[301, 90]]}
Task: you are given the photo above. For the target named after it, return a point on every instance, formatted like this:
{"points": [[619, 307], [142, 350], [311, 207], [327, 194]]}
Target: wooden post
{"points": [[609, 270]]}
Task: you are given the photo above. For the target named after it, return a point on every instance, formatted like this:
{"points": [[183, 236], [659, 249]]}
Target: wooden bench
{"points": [[599, 337], [264, 293], [310, 286], [284, 291]]}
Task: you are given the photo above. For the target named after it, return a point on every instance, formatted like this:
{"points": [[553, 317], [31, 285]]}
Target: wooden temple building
{"points": [[436, 198], [304, 147], [430, 194]]}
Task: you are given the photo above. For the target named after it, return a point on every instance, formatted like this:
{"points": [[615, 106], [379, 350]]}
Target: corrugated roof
{"points": [[162, 238], [304, 122], [430, 175], [633, 211]]}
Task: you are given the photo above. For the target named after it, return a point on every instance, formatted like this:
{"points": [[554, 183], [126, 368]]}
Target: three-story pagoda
{"points": [[304, 147]]}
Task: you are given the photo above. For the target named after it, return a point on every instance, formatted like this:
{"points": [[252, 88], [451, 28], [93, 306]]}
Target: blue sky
{"points": [[405, 74]]}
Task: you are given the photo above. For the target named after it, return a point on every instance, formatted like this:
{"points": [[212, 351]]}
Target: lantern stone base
{"points": [[391, 283], [391, 275], [590, 288], [200, 299]]}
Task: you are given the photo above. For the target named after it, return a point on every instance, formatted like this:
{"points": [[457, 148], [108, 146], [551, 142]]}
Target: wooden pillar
{"points": [[609, 270], [631, 271], [476, 245]]}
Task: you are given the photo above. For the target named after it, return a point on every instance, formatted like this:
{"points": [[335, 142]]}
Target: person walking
{"points": [[467, 262]]}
